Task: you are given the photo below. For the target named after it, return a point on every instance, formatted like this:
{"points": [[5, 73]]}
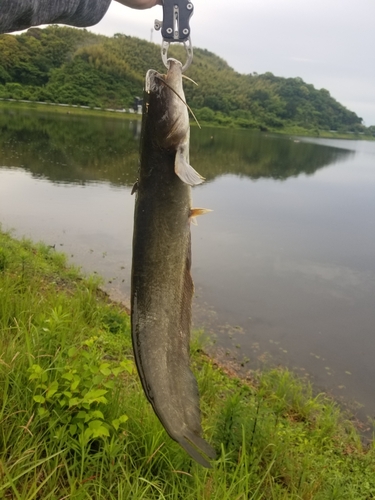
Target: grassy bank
{"points": [[293, 131], [77, 110], [73, 110], [325, 134], [75, 423]]}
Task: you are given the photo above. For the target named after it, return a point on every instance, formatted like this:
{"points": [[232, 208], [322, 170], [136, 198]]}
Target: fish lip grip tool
{"points": [[175, 28]]}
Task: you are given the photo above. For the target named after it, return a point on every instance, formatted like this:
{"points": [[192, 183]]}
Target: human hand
{"points": [[140, 4]]}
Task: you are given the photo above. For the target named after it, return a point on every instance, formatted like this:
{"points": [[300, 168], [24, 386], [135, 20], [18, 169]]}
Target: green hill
{"points": [[67, 65]]}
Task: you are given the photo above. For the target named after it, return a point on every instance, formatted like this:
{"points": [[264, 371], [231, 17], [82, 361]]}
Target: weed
{"points": [[74, 422]]}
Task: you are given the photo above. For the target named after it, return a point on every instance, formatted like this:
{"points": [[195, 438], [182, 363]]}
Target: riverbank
{"points": [[75, 422], [113, 113], [50, 107]]}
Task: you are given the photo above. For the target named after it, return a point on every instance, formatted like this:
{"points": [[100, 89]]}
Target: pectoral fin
{"points": [[185, 171]]}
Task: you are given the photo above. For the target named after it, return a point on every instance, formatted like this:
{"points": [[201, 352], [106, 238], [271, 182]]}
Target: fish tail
{"points": [[200, 446]]}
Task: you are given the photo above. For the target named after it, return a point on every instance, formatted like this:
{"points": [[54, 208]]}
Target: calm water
{"points": [[284, 266]]}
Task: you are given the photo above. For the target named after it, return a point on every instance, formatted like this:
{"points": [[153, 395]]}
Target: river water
{"points": [[284, 266]]}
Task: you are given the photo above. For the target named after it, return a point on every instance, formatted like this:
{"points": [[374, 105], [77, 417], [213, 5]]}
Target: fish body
{"points": [[162, 286]]}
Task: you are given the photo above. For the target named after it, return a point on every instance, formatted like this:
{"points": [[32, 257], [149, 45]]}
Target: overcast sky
{"points": [[329, 43]]}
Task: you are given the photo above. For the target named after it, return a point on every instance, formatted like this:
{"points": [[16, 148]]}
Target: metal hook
{"points": [[189, 51]]}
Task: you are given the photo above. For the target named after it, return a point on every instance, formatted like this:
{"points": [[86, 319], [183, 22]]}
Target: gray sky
{"points": [[329, 43]]}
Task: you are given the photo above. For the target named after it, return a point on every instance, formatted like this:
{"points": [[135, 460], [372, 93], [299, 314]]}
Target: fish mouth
{"points": [[173, 77], [151, 82], [174, 74]]}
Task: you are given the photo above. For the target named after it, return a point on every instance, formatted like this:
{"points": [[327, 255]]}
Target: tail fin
{"points": [[189, 439]]}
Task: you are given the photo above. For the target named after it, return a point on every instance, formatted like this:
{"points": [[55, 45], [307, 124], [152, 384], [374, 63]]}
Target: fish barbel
{"points": [[162, 287]]}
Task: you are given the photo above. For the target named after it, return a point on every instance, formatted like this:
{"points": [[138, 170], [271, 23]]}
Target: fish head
{"points": [[165, 106]]}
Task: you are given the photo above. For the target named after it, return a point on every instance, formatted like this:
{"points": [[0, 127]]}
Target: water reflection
{"points": [[70, 149], [75, 149], [257, 155]]}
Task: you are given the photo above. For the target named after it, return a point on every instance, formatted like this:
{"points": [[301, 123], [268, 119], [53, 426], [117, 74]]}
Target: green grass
{"points": [[324, 134], [56, 109], [75, 423], [287, 130]]}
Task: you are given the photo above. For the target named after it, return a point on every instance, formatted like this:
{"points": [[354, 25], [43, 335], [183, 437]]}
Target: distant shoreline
{"points": [[77, 109]]}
